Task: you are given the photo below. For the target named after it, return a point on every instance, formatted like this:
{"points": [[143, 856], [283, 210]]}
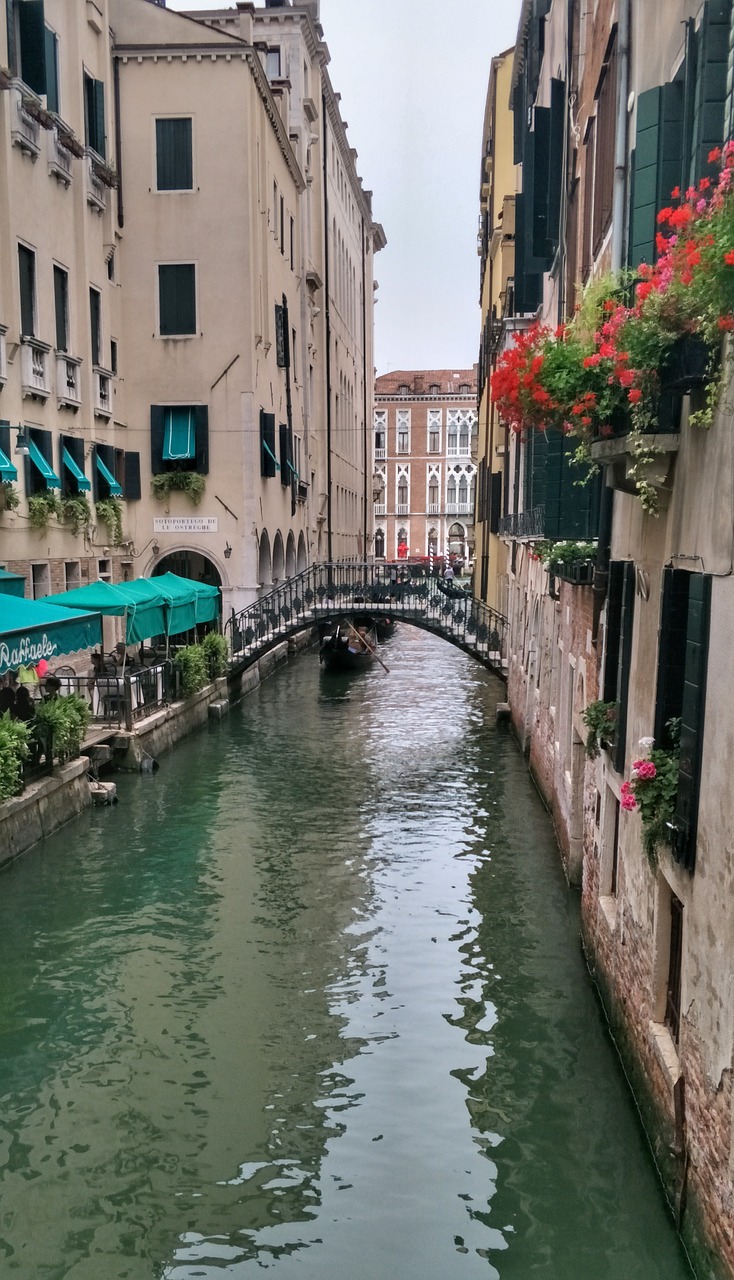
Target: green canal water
{"points": [[310, 1001]]}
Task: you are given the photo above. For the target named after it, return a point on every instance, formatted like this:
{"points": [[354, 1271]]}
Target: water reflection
{"points": [[311, 998]]}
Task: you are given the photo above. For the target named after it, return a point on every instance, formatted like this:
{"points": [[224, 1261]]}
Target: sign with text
{"points": [[185, 524]]}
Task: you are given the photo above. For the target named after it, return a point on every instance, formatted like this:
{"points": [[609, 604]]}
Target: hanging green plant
{"points": [[109, 511], [600, 719], [189, 482], [41, 506], [9, 497], [75, 511]]}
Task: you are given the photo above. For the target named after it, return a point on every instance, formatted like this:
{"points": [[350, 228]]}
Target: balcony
{"points": [[3, 356], [34, 369], [523, 524], [25, 132], [68, 379], [460, 450], [96, 190], [102, 393], [59, 159], [402, 509], [434, 508], [380, 509], [302, 491], [380, 453]]}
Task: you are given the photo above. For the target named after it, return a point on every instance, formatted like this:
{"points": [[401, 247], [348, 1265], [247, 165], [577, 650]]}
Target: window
{"points": [[620, 618], [179, 438], [104, 570], [282, 225], [111, 266], [131, 483], [113, 355], [463, 491], [275, 210], [402, 426], [71, 466], [282, 349], [28, 45], [72, 575], [272, 64], [434, 389], [287, 465], [587, 220], [174, 154], [402, 491], [94, 115], [95, 321], [51, 42], [451, 490], [107, 469], [177, 299], [434, 430], [268, 461], [27, 276], [61, 305], [293, 244], [604, 149], [379, 544], [675, 964], [40, 580], [39, 473], [433, 498]]}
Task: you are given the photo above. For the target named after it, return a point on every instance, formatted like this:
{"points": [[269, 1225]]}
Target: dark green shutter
{"points": [[10, 24], [27, 276], [624, 662], [157, 437], [52, 70], [285, 471], [528, 282], [177, 298], [95, 320], [555, 180], [174, 164], [131, 484], [267, 438], [61, 292], [495, 499], [202, 439], [671, 651], [99, 120], [32, 31], [5, 439], [692, 719], [541, 183], [711, 86], [672, 113], [645, 199]]}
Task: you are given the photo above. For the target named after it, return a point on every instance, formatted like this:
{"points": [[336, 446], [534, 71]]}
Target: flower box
{"points": [[688, 364], [579, 573]]}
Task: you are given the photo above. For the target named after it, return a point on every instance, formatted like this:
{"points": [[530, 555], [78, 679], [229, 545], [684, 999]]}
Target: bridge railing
{"points": [[326, 591]]}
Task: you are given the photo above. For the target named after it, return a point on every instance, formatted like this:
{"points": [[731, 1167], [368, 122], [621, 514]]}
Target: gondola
{"points": [[350, 644]]}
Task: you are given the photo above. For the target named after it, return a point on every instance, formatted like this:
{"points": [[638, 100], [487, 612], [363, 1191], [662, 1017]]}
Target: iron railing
{"points": [[122, 700], [404, 592], [523, 524]]}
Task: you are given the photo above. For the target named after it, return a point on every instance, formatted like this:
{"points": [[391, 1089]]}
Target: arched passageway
{"points": [[189, 564], [264, 564]]}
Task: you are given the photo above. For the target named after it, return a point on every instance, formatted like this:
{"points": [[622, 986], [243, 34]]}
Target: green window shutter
{"points": [[174, 160], [285, 474], [132, 487], [711, 85], [268, 460], [670, 161], [541, 183], [27, 278], [614, 615], [177, 298], [10, 24], [692, 719], [157, 437], [52, 69], [624, 662], [671, 651], [646, 182], [555, 179], [95, 321], [528, 282], [61, 306], [99, 120], [202, 439], [32, 32], [282, 344]]}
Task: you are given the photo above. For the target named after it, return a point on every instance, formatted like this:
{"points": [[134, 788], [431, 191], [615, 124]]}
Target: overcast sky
{"points": [[413, 75]]}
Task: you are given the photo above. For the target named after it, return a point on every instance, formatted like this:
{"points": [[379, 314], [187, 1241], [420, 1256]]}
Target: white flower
{"points": [[647, 742]]}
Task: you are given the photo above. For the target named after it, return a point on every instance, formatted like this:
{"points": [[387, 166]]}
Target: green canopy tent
{"points": [[34, 629], [142, 619], [181, 598], [12, 584], [207, 596], [152, 612]]}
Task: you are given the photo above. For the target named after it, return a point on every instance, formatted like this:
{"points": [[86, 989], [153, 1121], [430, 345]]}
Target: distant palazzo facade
{"points": [[425, 440]]}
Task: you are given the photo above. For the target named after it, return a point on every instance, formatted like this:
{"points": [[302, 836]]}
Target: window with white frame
{"points": [[403, 491], [434, 497], [459, 425], [435, 417], [402, 430], [380, 428]]}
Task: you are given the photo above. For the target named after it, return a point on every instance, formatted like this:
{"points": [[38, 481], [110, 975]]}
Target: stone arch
{"points": [[278, 558], [290, 556], [301, 556], [264, 563]]}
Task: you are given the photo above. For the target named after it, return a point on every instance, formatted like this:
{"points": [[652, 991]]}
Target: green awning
{"points": [[208, 600], [179, 440], [7, 471], [102, 597], [151, 607], [12, 584], [43, 465], [181, 597], [34, 629], [107, 475], [71, 463]]}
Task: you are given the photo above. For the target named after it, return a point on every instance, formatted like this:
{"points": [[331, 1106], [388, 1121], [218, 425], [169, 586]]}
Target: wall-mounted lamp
{"points": [[21, 444], [227, 551], [155, 548]]}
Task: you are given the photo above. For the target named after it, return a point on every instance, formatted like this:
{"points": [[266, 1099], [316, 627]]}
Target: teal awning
{"points": [[179, 440], [181, 598], [34, 629], [102, 597], [7, 470], [151, 607], [70, 462], [43, 465], [107, 475], [208, 601], [12, 584]]}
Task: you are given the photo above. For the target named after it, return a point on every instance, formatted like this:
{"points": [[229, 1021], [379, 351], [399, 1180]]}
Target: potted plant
{"points": [[189, 482], [600, 719], [652, 789], [75, 511], [41, 506], [9, 498]]}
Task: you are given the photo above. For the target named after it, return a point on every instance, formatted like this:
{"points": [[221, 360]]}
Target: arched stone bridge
{"points": [[329, 591]]}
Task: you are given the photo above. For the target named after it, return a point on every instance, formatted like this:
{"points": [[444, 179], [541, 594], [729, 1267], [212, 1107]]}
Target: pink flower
{"points": [[646, 770], [628, 802]]}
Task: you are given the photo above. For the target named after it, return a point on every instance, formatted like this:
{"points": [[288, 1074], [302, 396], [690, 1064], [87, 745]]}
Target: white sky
{"points": [[413, 76]]}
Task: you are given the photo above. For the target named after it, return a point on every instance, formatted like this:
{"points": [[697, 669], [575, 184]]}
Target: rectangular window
{"points": [[179, 438], [71, 466], [604, 150], [282, 346], [675, 965], [113, 356], [27, 276], [105, 478], [268, 461], [293, 244], [94, 115], [286, 451], [31, 32], [620, 619], [272, 64], [61, 305], [275, 210], [95, 321], [40, 580], [174, 154], [52, 69], [177, 299], [402, 430], [587, 213], [72, 575], [39, 473], [282, 225]]}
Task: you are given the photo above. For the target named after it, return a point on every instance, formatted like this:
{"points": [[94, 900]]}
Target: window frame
{"points": [[61, 274], [28, 332], [178, 334], [166, 119]]}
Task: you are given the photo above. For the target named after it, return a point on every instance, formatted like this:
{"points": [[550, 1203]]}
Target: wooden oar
{"points": [[367, 646]]}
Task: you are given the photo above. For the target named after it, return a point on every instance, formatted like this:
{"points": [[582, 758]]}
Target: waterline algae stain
{"points": [[310, 1001]]}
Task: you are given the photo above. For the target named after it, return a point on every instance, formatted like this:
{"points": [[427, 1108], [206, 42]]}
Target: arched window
{"points": [[380, 544], [463, 490], [451, 489], [432, 541], [433, 492], [402, 542], [403, 491]]}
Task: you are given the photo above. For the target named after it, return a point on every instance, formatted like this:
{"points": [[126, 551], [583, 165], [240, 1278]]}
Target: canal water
{"points": [[310, 1001]]}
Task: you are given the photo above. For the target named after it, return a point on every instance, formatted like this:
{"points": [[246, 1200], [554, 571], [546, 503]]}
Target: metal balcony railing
{"points": [[523, 524]]}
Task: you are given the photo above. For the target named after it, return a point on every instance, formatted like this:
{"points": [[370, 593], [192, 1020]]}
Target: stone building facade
{"points": [[644, 630], [186, 300], [425, 425]]}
